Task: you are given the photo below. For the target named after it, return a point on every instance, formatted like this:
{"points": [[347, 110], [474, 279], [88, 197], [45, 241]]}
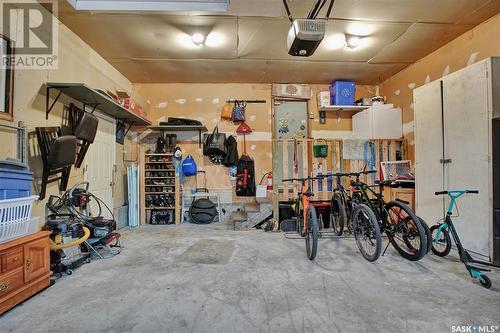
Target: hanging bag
{"points": [[227, 112], [189, 166], [320, 148], [214, 143], [239, 112]]}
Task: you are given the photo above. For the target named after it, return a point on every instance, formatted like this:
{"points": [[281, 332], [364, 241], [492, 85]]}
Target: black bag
{"points": [[214, 143], [231, 158], [202, 211], [245, 177]]}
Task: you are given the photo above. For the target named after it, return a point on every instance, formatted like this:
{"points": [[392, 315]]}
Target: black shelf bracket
{"points": [[93, 105], [121, 124], [48, 107]]}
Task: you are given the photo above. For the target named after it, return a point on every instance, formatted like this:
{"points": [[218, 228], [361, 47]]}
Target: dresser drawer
{"points": [[11, 281], [11, 259]]}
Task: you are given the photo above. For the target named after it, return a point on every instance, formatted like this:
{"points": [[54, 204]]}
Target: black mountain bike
{"points": [[359, 219], [402, 227]]}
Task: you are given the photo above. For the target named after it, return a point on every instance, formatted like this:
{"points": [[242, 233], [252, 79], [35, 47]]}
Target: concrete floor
{"points": [[208, 279]]}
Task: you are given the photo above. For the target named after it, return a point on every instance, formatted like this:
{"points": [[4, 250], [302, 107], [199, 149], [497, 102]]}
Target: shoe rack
{"points": [[160, 189]]}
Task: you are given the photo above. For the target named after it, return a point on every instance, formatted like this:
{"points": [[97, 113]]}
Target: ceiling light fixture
{"points": [[198, 39], [151, 5]]}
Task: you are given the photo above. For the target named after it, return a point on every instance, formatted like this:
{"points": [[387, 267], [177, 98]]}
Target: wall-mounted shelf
{"points": [[180, 128], [338, 109], [92, 98]]}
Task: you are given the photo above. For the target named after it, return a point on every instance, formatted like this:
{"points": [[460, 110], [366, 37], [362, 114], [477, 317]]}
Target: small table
{"points": [[186, 196]]}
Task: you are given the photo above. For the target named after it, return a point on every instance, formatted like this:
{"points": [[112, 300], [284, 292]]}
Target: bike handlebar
{"points": [[451, 192]]}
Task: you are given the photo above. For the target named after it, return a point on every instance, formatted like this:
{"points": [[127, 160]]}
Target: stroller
{"points": [[103, 240]]}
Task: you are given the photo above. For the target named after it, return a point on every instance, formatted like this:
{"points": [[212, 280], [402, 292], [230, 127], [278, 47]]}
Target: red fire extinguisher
{"points": [[270, 181]]}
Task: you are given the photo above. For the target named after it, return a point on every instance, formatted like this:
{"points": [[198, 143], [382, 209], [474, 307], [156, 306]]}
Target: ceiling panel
{"points": [[418, 41], [242, 71], [481, 14], [156, 47], [432, 11], [182, 70], [266, 39], [154, 36]]}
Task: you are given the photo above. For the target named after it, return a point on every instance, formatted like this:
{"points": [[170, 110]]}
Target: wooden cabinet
{"points": [[403, 194], [37, 261], [24, 267]]}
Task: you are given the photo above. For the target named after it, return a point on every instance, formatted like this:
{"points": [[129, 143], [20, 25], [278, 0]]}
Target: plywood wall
{"points": [[77, 63], [476, 44], [204, 102]]}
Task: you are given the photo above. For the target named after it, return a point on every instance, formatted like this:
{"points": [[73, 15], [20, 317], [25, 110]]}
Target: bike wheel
{"points": [[366, 232], [312, 233], [428, 233], [442, 246], [405, 231], [485, 281], [338, 214]]}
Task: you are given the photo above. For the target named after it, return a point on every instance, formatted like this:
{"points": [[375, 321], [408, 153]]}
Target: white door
{"points": [[100, 163], [466, 115], [428, 152]]}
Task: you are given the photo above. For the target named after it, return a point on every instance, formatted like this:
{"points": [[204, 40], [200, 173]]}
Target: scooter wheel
{"points": [[485, 281], [69, 271]]}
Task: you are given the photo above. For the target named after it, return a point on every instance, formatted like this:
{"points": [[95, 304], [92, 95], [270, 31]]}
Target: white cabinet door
{"points": [[466, 119], [428, 152], [100, 161]]}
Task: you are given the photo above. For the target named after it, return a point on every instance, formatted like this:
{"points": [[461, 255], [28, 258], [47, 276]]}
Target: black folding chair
{"points": [[85, 132], [58, 155]]}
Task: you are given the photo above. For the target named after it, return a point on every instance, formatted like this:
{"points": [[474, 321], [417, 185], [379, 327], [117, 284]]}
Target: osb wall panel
{"points": [[204, 102], [479, 43], [77, 63]]}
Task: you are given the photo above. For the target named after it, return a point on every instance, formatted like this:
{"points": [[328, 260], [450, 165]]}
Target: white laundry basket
{"points": [[15, 215]]}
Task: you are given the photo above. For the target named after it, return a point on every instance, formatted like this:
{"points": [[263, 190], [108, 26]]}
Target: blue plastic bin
{"points": [[15, 183], [342, 93]]}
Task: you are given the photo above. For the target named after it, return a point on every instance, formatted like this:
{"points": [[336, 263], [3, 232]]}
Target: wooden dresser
{"points": [[24, 268]]}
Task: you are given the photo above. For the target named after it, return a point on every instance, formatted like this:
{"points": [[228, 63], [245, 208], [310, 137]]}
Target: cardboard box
{"points": [[323, 99]]}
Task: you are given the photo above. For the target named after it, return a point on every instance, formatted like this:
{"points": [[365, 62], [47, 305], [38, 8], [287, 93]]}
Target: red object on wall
{"points": [[270, 181]]}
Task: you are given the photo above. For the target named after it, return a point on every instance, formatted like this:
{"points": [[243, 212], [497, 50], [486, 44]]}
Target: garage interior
{"points": [[250, 166]]}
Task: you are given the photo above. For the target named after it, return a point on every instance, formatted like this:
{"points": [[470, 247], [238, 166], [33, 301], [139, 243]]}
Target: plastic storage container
{"points": [[15, 179], [342, 93], [15, 216]]}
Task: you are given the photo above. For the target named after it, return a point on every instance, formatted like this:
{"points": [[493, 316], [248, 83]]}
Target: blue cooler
{"points": [[342, 93], [15, 180]]}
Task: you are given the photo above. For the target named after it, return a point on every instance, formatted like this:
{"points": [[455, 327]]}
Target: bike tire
{"points": [[366, 228], [485, 281], [428, 233], [407, 228], [444, 241], [312, 233], [338, 214]]}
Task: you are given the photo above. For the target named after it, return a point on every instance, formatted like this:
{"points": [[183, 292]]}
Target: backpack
{"points": [[245, 177], [231, 158], [189, 166]]}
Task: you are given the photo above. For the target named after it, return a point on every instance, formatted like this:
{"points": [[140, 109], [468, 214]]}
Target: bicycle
{"points": [[441, 244], [307, 220], [360, 219], [398, 221]]}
